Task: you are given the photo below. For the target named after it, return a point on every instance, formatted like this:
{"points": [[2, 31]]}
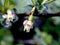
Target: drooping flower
{"points": [[27, 25]]}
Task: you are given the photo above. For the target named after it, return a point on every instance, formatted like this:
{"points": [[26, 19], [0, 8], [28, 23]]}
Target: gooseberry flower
{"points": [[27, 25], [10, 17]]}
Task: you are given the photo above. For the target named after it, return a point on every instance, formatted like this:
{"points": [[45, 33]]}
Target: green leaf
{"points": [[50, 1], [48, 39], [8, 4], [0, 6], [1, 32], [47, 1], [39, 2], [12, 4], [42, 2], [0, 3]]}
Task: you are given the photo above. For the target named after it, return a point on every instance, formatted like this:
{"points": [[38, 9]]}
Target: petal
{"points": [[25, 22], [29, 23], [26, 27], [4, 16], [27, 30], [8, 25], [7, 22]]}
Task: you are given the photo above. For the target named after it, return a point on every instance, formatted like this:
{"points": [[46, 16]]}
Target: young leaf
{"points": [[8, 4], [39, 2], [12, 4]]}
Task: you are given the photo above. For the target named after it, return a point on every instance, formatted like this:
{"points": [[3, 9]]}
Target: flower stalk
{"points": [[32, 12]]}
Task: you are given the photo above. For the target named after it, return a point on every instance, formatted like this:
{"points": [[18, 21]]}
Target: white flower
{"points": [[10, 15], [27, 25]]}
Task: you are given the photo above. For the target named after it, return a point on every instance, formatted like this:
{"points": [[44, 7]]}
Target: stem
{"points": [[47, 1], [50, 1], [44, 1], [32, 12], [34, 2]]}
